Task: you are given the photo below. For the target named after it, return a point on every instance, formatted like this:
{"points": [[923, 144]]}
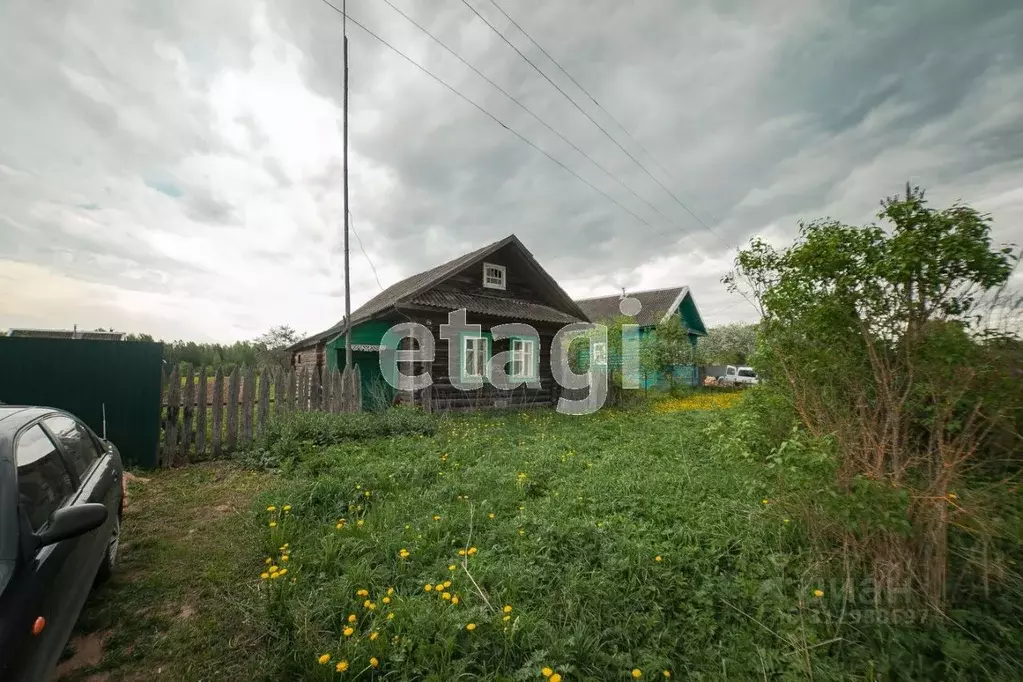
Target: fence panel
{"points": [[266, 377], [188, 408], [218, 410], [248, 395], [233, 383], [202, 396], [170, 429]]}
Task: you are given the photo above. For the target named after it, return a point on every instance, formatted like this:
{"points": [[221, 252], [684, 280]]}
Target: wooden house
{"points": [[497, 284]]}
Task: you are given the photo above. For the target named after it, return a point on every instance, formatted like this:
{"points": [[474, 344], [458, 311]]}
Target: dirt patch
{"points": [[186, 612], [88, 654]]}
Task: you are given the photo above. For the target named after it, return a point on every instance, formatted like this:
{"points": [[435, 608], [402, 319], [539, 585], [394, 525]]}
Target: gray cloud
{"points": [[761, 114]]}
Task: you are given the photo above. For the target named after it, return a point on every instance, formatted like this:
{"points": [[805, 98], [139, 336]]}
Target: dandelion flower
{"points": [[461, 552], [374, 662], [446, 596], [322, 660], [784, 520], [274, 569], [666, 673], [362, 593], [555, 677], [658, 558], [366, 604], [404, 553], [340, 526], [386, 600], [546, 672], [455, 600], [272, 524], [271, 508], [436, 517], [636, 673], [765, 501], [372, 606], [472, 551], [285, 557], [522, 509], [352, 618], [491, 515], [283, 572], [264, 575], [390, 616], [359, 523], [506, 619], [268, 561], [373, 636], [521, 532], [349, 631], [275, 576], [818, 593], [507, 608], [451, 567], [287, 507], [470, 627], [427, 587], [952, 496], [341, 666]]}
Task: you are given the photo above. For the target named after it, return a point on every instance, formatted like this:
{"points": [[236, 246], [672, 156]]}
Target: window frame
{"points": [[503, 286], [86, 433], [598, 353], [58, 449], [487, 355], [532, 372]]}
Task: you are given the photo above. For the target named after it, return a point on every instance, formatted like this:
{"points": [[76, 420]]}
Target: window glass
{"points": [[475, 356], [523, 354], [43, 480], [78, 445], [747, 373]]}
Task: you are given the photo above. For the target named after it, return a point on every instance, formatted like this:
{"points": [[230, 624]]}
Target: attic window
{"points": [[493, 276]]}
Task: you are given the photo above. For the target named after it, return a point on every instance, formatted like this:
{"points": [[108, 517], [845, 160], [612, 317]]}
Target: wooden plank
{"points": [[356, 389], [218, 410], [315, 394], [248, 396], [302, 398], [200, 414], [328, 391], [265, 379], [232, 408], [289, 397], [280, 384], [170, 451], [338, 391], [188, 407]]}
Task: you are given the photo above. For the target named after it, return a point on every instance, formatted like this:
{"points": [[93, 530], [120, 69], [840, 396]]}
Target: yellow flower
{"points": [[555, 677], [658, 558], [322, 660], [404, 553], [506, 619], [637, 673], [784, 520], [287, 507], [507, 608], [271, 508], [275, 576], [352, 618], [264, 575], [546, 672], [491, 514], [374, 662], [386, 600], [268, 561], [282, 572], [359, 523], [818, 593], [765, 501], [366, 604], [952, 496], [272, 524], [436, 517], [372, 606], [472, 551], [341, 666], [445, 596], [358, 486], [366, 493], [451, 567], [362, 593], [274, 569], [521, 532], [455, 600], [349, 631], [373, 636], [522, 509], [390, 590], [470, 627], [390, 616], [285, 557], [666, 673], [461, 552], [340, 526], [427, 587]]}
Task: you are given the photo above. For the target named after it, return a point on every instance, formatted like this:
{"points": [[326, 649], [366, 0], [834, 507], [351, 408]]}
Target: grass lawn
{"points": [[615, 546]]}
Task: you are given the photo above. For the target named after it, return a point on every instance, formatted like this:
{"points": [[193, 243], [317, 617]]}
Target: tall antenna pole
{"points": [[348, 280]]}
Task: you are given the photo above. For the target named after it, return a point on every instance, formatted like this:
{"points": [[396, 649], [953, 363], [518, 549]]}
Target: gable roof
{"points": [[658, 305], [414, 289]]}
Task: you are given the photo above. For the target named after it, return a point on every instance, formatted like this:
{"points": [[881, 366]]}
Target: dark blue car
{"points": [[61, 498]]}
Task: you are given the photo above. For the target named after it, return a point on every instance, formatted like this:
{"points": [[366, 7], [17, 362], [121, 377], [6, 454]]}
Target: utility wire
{"points": [[593, 99], [530, 112], [592, 120], [497, 120], [351, 223]]}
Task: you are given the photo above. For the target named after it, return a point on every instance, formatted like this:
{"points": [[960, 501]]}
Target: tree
{"points": [[874, 335], [271, 347], [730, 344], [669, 347]]}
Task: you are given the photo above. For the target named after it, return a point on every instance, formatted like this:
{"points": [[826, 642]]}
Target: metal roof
{"points": [[496, 306], [656, 304]]}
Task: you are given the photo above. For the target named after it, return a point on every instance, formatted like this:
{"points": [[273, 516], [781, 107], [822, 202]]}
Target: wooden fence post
{"points": [[232, 408], [170, 429], [200, 415], [280, 384], [427, 392], [338, 390], [265, 377], [315, 394], [248, 394], [328, 391], [218, 409], [302, 399], [291, 389], [188, 407]]}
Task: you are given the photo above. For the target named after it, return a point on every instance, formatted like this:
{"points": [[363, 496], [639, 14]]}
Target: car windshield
{"points": [[747, 373]]}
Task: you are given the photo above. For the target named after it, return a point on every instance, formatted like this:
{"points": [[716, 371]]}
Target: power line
{"points": [[362, 248], [530, 112], [497, 120], [592, 120]]}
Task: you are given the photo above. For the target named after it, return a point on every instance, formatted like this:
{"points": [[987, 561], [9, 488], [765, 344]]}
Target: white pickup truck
{"points": [[739, 376]]}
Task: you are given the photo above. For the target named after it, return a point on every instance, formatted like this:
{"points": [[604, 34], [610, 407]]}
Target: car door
{"points": [[46, 578]]}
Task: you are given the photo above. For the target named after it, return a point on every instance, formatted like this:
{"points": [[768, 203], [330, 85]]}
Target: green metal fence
{"points": [[84, 377]]}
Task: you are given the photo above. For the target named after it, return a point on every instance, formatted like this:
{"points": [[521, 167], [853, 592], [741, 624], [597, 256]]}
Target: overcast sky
{"points": [[174, 168]]}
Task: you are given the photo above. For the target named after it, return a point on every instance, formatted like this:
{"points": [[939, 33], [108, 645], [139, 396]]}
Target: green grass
{"points": [[582, 509]]}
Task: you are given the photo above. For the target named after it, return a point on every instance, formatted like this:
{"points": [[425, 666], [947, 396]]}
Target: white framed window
{"points": [[599, 353], [523, 359], [494, 276], [474, 357]]}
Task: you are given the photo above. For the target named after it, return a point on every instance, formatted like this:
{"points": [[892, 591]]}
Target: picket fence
{"points": [[207, 414]]}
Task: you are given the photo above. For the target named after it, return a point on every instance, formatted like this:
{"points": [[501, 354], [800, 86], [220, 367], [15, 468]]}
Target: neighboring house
{"points": [[67, 334], [496, 284], [658, 305]]}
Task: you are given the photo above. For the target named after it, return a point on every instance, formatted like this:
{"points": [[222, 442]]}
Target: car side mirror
{"points": [[70, 522]]}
